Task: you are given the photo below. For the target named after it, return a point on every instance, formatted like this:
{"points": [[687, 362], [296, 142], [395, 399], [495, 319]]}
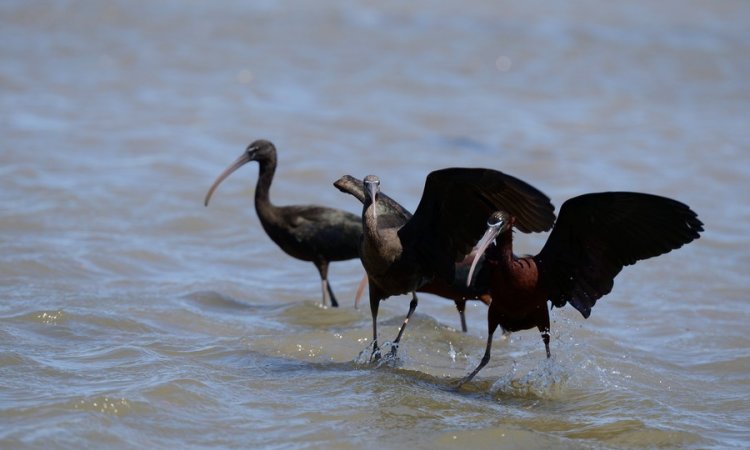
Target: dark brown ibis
{"points": [[595, 236], [459, 290], [402, 254], [307, 232]]}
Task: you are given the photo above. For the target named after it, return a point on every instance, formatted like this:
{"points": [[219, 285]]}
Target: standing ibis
{"points": [[595, 236], [402, 254], [307, 232]]}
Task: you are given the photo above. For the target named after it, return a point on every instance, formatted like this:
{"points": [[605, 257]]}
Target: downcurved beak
{"points": [[492, 231], [373, 188], [241, 161]]}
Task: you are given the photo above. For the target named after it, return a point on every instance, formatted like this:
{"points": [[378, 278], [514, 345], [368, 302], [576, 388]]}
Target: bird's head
{"points": [[498, 223], [260, 150], [372, 189]]}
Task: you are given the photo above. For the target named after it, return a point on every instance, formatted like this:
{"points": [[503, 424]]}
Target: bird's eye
{"points": [[371, 180], [495, 220]]}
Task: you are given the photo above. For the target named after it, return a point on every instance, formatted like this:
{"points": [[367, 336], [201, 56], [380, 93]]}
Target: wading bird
{"points": [[459, 290], [307, 232], [401, 254], [595, 236]]}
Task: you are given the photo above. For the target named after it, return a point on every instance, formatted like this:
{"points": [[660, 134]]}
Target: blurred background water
{"points": [[131, 316]]}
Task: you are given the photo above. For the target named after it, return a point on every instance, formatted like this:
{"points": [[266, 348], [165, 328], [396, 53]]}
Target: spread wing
{"points": [[452, 214], [596, 235]]}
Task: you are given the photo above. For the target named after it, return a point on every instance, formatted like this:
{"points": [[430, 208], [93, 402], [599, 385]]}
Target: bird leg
{"points": [[461, 307], [412, 307], [545, 338], [325, 292], [325, 286], [334, 303], [360, 290], [543, 326], [485, 358], [374, 305]]}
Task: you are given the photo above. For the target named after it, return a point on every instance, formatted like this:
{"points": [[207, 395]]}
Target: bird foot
{"points": [[369, 355], [378, 356], [461, 382], [390, 358]]}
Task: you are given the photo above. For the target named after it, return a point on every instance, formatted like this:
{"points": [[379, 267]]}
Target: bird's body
{"points": [[387, 263], [402, 253], [307, 232], [513, 278], [595, 236], [312, 233]]}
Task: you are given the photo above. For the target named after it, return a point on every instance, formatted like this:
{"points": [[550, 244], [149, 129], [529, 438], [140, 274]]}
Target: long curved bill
{"points": [[373, 192], [241, 161], [493, 229]]}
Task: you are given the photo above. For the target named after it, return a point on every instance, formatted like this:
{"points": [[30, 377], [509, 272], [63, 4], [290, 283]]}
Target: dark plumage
{"points": [[459, 291], [307, 232], [402, 254], [595, 236]]}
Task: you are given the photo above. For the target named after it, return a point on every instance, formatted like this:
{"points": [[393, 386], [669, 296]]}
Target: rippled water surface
{"points": [[134, 317]]}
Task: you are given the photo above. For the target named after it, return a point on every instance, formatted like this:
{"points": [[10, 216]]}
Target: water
{"points": [[133, 317]]}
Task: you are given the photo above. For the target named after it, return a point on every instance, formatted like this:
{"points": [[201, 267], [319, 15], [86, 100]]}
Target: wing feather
{"points": [[597, 234]]}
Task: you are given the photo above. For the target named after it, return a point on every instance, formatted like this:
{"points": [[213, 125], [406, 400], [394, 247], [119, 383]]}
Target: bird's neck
{"points": [[263, 204], [380, 246], [370, 222], [502, 252]]}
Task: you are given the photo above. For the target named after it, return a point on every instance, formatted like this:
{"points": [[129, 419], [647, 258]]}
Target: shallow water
{"points": [[134, 317]]}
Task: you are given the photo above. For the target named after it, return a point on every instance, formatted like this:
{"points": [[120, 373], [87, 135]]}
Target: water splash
{"points": [[389, 356], [365, 354], [452, 352], [547, 380]]}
